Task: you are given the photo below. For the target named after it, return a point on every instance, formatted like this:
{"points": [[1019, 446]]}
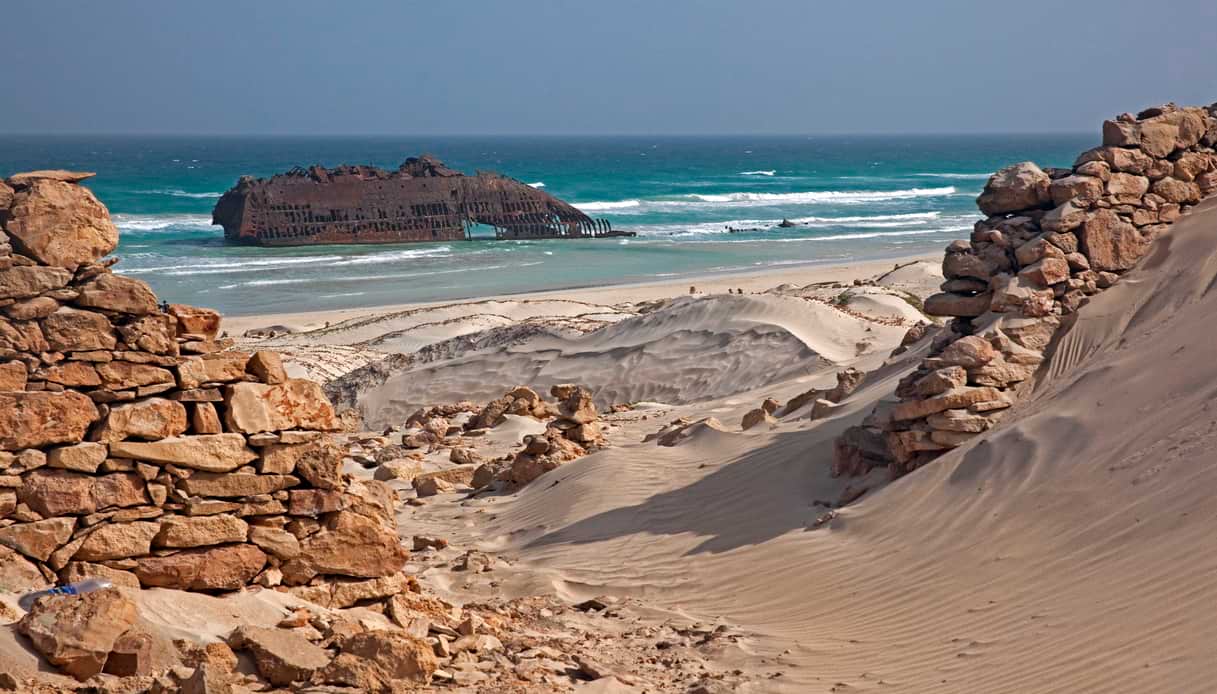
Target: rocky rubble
{"points": [[136, 446], [572, 428], [1051, 239]]}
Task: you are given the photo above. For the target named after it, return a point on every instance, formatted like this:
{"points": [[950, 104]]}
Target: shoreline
{"points": [[750, 281]]}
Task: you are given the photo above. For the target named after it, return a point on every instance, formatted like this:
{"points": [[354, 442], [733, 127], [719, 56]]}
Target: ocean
{"points": [[852, 198]]}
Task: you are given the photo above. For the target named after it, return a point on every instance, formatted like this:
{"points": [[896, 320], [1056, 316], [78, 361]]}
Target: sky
{"points": [[594, 67]]}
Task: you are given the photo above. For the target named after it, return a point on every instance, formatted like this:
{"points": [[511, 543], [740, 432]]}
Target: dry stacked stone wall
{"points": [[135, 445], [1051, 239]]}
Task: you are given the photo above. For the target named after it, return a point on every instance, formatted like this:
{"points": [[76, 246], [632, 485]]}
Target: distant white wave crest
{"points": [[769, 172], [748, 198], [825, 195], [538, 184], [964, 176], [272, 264], [178, 193], [156, 222], [613, 205]]}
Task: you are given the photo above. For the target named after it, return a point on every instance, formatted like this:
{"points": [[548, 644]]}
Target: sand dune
{"points": [[690, 350], [1065, 551]]}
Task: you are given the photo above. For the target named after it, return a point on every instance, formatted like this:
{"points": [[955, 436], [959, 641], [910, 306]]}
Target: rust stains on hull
{"points": [[421, 201]]}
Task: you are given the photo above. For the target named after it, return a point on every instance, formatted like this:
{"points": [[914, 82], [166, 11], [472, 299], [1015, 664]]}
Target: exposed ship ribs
{"points": [[422, 201]]}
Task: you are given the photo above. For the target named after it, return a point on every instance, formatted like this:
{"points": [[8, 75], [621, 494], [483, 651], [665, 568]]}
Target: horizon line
{"points": [[552, 135]]}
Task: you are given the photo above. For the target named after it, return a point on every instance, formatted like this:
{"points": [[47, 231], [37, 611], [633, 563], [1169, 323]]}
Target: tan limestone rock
{"points": [[1017, 187], [192, 320], [117, 293], [73, 330], [1110, 243], [82, 457], [212, 452], [60, 224], [221, 367], [155, 333], [969, 351], [38, 539], [117, 541], [233, 485], [152, 419], [282, 656], [77, 633], [13, 376], [22, 336], [251, 408], [26, 281], [121, 375], [349, 545], [940, 381], [278, 543], [201, 531], [396, 656], [40, 419], [756, 417], [267, 367], [215, 568], [18, 574], [1046, 272], [204, 419], [952, 399], [958, 305], [73, 374]]}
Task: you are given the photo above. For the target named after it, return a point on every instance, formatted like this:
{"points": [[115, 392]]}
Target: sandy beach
{"points": [[750, 282]]}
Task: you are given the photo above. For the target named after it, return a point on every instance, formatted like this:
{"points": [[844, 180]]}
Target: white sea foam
{"points": [[612, 205], [177, 193], [825, 195], [770, 172], [964, 176], [396, 256], [157, 222], [754, 199], [538, 184]]}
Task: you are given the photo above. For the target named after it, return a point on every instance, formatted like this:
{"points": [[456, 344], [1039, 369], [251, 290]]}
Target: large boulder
{"points": [[119, 294], [1017, 187], [1163, 134], [1110, 243], [221, 367], [348, 545], [281, 655], [60, 224], [39, 419], [77, 632]]}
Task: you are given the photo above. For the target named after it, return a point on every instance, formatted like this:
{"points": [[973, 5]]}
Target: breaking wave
{"points": [[769, 172], [965, 176], [613, 205], [157, 222], [538, 184], [750, 199], [825, 195], [178, 193]]}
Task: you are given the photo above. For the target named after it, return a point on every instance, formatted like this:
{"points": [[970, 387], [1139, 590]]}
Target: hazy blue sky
{"points": [[620, 66]]}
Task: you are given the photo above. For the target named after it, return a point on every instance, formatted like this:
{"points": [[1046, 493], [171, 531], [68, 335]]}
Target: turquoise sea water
{"points": [[853, 198]]}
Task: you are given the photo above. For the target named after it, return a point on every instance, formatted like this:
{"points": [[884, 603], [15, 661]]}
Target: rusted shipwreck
{"points": [[423, 200]]}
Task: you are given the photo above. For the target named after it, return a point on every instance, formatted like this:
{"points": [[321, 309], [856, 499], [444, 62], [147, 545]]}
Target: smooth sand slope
{"points": [[1068, 550]]}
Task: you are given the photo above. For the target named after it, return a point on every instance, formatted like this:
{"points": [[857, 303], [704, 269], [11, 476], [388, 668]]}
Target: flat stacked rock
{"points": [[135, 445], [1051, 239]]}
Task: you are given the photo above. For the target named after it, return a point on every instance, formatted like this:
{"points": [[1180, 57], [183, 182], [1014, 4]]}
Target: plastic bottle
{"points": [[86, 586]]}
